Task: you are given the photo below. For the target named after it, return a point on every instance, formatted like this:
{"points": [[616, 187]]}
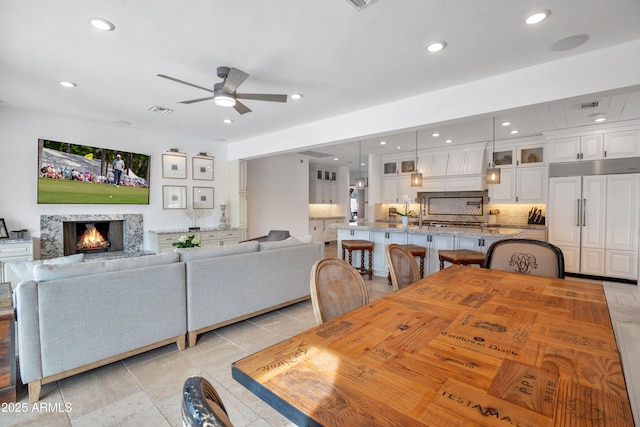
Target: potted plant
{"points": [[493, 215], [406, 213], [187, 242]]}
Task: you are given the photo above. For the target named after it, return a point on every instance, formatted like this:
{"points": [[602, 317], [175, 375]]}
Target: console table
{"points": [[12, 250], [161, 241]]}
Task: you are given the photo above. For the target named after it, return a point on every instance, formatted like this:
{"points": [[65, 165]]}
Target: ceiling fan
{"points": [[224, 92]]}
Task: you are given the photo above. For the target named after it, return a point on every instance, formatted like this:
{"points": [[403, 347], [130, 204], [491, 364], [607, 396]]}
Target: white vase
{"points": [[405, 221]]}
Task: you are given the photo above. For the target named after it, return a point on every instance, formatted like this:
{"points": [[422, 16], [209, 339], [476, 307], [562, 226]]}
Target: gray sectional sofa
{"points": [[77, 316]]}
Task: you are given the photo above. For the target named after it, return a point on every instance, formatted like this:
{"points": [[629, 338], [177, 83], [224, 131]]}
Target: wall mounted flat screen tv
{"points": [[72, 173]]}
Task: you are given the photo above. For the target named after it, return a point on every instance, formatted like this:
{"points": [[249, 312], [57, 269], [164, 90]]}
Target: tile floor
{"points": [[145, 390]]}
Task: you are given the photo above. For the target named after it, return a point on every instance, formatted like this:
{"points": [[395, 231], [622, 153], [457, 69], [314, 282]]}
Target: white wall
{"points": [[19, 134], [278, 195]]}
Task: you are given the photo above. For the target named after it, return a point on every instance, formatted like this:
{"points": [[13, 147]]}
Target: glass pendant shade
{"points": [[493, 175], [359, 183], [416, 179]]}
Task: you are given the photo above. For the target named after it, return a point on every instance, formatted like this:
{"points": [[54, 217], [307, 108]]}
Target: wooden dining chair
{"points": [[336, 288], [526, 256], [201, 405], [403, 268]]}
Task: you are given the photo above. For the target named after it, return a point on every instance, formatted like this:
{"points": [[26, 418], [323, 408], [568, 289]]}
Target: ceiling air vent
{"points": [[587, 105], [360, 4], [160, 110]]}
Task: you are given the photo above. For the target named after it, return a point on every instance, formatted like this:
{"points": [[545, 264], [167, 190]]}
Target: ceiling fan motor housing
{"points": [[223, 72]]}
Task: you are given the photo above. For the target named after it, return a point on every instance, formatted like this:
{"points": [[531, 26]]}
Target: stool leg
{"points": [[362, 267], [441, 264], [421, 266], [350, 256], [343, 254], [389, 279], [370, 266]]}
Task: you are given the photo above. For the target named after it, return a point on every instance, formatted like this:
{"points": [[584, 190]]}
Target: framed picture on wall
{"points": [[174, 165], [202, 168], [4, 234], [203, 197], [174, 197]]}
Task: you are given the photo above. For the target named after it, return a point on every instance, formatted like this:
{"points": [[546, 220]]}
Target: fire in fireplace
{"points": [[91, 240], [93, 236]]}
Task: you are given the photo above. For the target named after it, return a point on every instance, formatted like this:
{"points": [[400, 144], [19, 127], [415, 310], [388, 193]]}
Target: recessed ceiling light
{"points": [[537, 16], [449, 141], [67, 84], [435, 134], [363, 164], [383, 142], [296, 96], [227, 121], [101, 24], [436, 46], [398, 147], [600, 119], [506, 123], [336, 159], [513, 132]]}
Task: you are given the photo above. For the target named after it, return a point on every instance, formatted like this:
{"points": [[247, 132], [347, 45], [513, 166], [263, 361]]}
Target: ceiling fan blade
{"points": [[262, 97], [184, 83], [234, 79], [191, 101], [241, 108]]}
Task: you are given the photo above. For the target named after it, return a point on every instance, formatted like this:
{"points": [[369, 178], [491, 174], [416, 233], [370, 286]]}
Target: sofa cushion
{"points": [[190, 254], [306, 239], [24, 269], [266, 246], [46, 272]]}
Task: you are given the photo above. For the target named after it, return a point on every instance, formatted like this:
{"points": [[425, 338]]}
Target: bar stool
{"points": [[362, 246], [416, 251], [461, 257]]}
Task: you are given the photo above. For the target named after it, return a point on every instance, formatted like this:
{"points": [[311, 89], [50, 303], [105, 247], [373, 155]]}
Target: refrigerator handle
{"points": [[578, 216], [584, 212]]}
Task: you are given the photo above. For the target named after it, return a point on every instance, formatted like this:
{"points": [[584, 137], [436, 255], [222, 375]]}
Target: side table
{"points": [[7, 346]]}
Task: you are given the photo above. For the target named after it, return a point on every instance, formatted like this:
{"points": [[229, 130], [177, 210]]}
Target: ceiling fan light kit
{"points": [[224, 93]]}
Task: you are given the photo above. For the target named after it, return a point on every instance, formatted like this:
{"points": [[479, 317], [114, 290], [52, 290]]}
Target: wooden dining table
{"points": [[462, 347]]}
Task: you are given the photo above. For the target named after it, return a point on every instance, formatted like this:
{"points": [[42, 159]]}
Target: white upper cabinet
{"points": [[611, 145], [465, 162], [622, 144], [575, 149]]}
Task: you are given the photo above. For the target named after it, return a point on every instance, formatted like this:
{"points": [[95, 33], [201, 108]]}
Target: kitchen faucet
{"points": [[423, 207]]}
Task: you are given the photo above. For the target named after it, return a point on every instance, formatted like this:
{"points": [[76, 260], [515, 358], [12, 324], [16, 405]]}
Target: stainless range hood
{"points": [[595, 167]]}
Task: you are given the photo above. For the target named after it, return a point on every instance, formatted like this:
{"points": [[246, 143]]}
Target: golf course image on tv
{"points": [[80, 174]]}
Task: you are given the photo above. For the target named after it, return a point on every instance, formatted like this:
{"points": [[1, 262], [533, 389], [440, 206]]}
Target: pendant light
{"points": [[416, 177], [359, 179], [493, 173]]}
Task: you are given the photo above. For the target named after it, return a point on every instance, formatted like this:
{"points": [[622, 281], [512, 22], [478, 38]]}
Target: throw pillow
{"points": [[24, 269], [306, 239]]}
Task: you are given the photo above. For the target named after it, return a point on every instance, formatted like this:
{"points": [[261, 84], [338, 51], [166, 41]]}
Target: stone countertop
{"points": [[319, 218], [16, 240], [480, 231], [519, 226], [186, 231]]}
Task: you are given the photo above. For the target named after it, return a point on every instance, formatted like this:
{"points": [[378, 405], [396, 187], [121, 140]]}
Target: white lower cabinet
{"points": [[380, 241], [321, 230], [433, 243]]}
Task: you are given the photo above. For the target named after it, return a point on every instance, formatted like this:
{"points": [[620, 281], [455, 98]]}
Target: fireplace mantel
{"points": [[51, 232]]}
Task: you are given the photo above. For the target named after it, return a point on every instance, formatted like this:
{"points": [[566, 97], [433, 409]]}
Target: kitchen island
{"points": [[434, 238]]}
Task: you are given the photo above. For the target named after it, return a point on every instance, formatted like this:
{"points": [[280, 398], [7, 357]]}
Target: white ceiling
{"points": [[340, 59]]}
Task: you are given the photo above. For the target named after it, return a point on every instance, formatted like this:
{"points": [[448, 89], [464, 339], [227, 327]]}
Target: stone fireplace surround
{"points": [[51, 231]]}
